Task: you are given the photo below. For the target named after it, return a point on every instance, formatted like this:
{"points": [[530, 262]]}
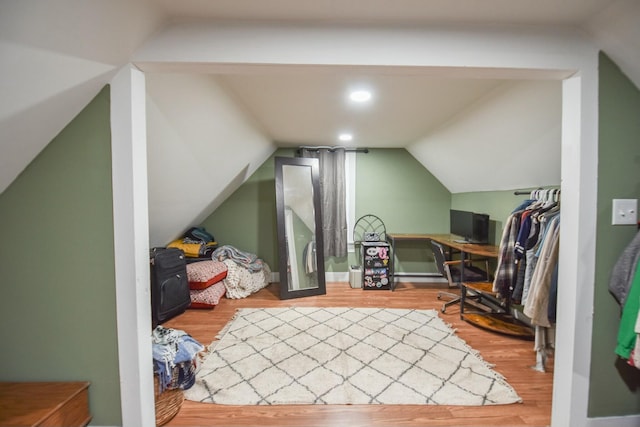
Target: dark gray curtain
{"points": [[333, 199]]}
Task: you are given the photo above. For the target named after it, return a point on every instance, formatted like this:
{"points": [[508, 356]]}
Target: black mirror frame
{"points": [[313, 164]]}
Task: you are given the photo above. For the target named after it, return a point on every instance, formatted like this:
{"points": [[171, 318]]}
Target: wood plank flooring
{"points": [[512, 358]]}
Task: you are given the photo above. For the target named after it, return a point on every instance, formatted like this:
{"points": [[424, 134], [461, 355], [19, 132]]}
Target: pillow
{"points": [[203, 274], [209, 297]]}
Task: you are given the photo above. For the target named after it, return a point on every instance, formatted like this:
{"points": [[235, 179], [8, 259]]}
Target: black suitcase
{"points": [[169, 285]]}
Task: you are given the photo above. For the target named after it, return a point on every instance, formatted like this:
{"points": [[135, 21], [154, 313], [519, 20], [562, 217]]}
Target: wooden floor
{"points": [[512, 358]]}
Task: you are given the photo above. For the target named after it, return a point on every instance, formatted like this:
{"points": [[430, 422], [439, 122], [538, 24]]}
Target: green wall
{"points": [[390, 183], [497, 204], [394, 186], [57, 263], [614, 386], [247, 218]]}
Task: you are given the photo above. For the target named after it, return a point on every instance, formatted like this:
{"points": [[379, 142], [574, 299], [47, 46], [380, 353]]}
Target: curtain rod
{"points": [[319, 147]]}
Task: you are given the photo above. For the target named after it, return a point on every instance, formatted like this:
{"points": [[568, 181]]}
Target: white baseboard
{"points": [[339, 276], [421, 280], [626, 421], [336, 276], [333, 276]]}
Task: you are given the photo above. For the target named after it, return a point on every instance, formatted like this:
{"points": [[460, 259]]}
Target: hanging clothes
{"points": [[527, 238], [309, 256], [534, 245], [634, 360], [623, 271], [520, 246], [627, 331], [536, 306], [528, 263], [624, 285], [505, 275]]}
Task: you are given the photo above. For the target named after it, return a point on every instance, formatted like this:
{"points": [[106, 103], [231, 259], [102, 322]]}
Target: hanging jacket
{"points": [[624, 270]]}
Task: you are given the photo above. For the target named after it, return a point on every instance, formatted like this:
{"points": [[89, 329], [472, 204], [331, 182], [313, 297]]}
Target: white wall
{"points": [[457, 51], [200, 148], [56, 57], [511, 138]]}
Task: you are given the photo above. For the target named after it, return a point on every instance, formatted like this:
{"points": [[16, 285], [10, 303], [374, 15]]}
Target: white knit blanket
{"points": [[241, 282]]}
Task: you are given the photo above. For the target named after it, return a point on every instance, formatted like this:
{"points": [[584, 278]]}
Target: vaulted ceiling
{"points": [[56, 56]]}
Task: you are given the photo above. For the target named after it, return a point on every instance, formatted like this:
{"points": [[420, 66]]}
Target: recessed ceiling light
{"points": [[360, 95], [345, 137]]}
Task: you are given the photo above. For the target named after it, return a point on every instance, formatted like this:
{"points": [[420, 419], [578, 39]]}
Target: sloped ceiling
{"points": [[311, 108], [190, 171], [508, 139], [57, 55]]}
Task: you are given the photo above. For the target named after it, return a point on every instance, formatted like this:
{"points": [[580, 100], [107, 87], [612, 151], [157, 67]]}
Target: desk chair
{"points": [[451, 270]]}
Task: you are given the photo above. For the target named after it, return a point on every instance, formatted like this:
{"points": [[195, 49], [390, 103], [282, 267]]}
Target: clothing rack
{"points": [[330, 148], [531, 241], [523, 192], [551, 194]]}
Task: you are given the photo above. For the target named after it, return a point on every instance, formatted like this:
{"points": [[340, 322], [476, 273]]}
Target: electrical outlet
{"points": [[624, 212]]}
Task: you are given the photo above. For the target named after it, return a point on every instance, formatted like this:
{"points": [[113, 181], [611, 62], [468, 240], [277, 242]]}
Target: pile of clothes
{"points": [[197, 242], [174, 358]]}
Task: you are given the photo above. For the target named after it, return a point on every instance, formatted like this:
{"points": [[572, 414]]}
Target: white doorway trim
{"points": [[500, 53], [131, 243]]}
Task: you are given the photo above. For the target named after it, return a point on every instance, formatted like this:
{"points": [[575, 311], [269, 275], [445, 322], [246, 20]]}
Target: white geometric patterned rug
{"points": [[310, 355]]}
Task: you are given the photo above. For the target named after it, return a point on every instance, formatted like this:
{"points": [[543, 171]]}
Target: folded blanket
{"points": [[247, 260], [241, 282]]}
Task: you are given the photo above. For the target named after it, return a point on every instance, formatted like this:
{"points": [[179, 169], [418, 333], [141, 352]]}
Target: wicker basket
{"points": [[168, 402]]}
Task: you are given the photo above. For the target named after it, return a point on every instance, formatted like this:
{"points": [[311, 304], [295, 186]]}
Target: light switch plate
{"points": [[624, 212]]}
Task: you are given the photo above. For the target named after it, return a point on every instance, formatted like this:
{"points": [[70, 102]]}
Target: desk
{"points": [[500, 319], [488, 251]]}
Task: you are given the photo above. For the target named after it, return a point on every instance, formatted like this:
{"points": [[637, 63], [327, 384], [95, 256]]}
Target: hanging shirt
{"points": [[537, 304], [506, 269], [624, 269], [626, 332]]}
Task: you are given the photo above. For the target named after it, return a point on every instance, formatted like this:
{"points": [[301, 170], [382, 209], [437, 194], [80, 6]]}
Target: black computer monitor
{"points": [[470, 226]]}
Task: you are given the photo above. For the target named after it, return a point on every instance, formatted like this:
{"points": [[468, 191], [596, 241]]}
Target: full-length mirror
{"points": [[300, 246]]}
